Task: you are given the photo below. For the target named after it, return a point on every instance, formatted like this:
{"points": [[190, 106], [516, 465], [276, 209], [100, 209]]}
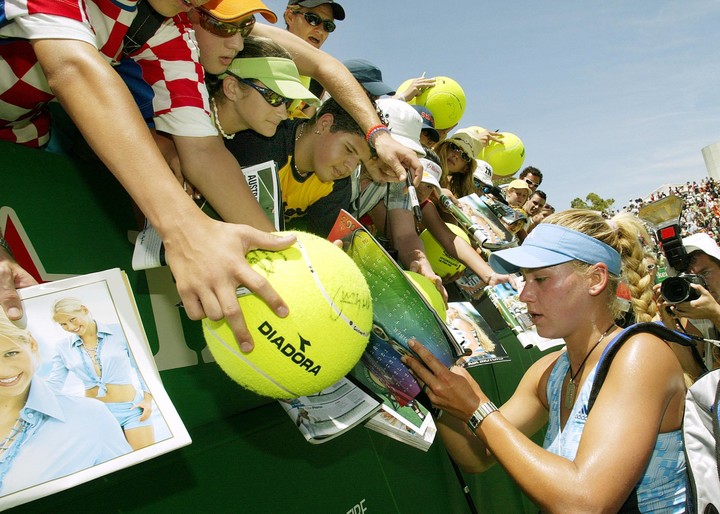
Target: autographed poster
{"points": [[79, 388]]}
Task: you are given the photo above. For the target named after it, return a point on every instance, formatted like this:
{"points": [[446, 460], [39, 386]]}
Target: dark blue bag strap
{"points": [[608, 355], [143, 27]]}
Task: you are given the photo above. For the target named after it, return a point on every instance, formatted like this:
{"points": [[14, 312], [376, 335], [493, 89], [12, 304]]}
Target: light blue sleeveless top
{"points": [[663, 485]]}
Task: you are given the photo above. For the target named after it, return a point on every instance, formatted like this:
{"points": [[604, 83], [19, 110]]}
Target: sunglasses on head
{"points": [[314, 20], [224, 29], [455, 148], [268, 94]]}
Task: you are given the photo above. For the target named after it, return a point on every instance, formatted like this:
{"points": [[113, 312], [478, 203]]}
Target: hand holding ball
{"points": [[446, 100], [506, 157], [319, 342]]}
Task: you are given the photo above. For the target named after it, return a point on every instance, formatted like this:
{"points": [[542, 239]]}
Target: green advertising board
{"points": [[67, 218]]}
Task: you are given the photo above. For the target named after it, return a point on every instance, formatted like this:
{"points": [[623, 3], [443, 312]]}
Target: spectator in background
{"points": [[457, 158], [254, 91], [532, 207], [704, 255], [313, 20], [535, 203], [370, 78], [546, 211], [517, 193], [429, 136], [314, 159], [532, 176]]}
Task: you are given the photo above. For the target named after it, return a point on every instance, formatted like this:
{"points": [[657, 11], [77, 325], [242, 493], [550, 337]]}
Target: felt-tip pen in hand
{"points": [[413, 197]]}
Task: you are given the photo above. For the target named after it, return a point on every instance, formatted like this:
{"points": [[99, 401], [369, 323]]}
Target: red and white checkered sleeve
{"points": [[170, 64]]}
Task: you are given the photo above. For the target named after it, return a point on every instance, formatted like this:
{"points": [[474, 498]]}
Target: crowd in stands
{"points": [[701, 206]]}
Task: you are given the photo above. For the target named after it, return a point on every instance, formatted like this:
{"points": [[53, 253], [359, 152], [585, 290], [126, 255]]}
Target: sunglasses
{"points": [[268, 94], [223, 29], [314, 20], [532, 184], [455, 148]]}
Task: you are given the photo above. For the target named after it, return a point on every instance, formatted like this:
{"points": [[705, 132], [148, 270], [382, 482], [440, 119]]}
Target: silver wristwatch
{"points": [[480, 414]]}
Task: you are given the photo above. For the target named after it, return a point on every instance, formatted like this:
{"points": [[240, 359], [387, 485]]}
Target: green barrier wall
{"points": [[246, 456]]}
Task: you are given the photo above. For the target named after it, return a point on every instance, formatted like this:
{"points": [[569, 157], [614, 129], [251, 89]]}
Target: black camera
{"points": [[678, 289]]}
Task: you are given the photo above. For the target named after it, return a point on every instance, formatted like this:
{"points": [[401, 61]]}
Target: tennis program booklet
{"points": [[515, 313], [65, 437], [475, 335], [264, 183], [400, 313]]}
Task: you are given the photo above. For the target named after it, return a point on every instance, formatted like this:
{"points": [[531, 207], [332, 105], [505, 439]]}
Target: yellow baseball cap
{"points": [[235, 10]]}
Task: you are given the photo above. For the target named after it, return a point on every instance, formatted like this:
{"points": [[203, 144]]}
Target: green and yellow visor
{"points": [[279, 74]]}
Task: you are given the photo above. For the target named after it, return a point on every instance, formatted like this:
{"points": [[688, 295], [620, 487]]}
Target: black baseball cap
{"points": [[338, 11], [369, 76]]}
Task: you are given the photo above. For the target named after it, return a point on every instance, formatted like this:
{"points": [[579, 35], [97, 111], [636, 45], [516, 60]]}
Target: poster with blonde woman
{"points": [[80, 395], [468, 326]]}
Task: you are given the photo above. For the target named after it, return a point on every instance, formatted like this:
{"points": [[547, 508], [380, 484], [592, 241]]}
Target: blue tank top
{"points": [[663, 485]]}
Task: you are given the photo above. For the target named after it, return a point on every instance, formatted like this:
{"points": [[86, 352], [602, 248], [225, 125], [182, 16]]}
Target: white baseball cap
{"points": [[404, 123], [702, 242], [431, 173], [483, 172]]}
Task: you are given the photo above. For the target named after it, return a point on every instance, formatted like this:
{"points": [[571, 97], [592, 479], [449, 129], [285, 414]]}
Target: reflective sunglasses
{"points": [[315, 20], [223, 29], [455, 148], [532, 184], [268, 94]]}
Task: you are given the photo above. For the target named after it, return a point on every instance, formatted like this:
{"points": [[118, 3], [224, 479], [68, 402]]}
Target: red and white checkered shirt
{"points": [[170, 64], [170, 57]]}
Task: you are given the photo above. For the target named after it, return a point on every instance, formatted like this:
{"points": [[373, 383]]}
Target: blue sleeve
{"points": [[58, 372], [142, 92]]}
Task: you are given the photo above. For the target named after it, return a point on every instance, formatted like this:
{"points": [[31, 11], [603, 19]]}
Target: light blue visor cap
{"points": [[549, 245]]}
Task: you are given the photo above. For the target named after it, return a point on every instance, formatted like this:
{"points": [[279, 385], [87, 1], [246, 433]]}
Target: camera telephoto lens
{"points": [[678, 289]]}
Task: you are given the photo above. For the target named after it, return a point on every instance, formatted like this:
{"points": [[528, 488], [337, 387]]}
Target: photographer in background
{"points": [[704, 303]]}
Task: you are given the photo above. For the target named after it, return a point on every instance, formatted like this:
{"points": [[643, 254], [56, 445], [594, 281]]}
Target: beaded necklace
{"points": [[216, 119], [17, 429]]}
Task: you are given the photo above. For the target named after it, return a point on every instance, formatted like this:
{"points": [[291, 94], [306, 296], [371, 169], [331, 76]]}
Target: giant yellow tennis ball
{"points": [[319, 342], [446, 100], [429, 291], [442, 262], [506, 157]]}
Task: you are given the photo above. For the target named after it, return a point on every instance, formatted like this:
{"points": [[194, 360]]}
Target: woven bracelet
{"points": [[373, 132]]}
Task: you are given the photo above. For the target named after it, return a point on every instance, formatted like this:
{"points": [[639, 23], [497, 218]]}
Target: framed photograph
{"points": [[80, 389]]}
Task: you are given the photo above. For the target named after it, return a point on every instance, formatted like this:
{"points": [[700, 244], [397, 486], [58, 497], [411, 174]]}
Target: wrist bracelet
{"points": [[6, 246], [373, 132], [482, 412]]}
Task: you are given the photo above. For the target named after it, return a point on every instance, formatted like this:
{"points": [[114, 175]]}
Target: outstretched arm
{"points": [[214, 171], [207, 257]]}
